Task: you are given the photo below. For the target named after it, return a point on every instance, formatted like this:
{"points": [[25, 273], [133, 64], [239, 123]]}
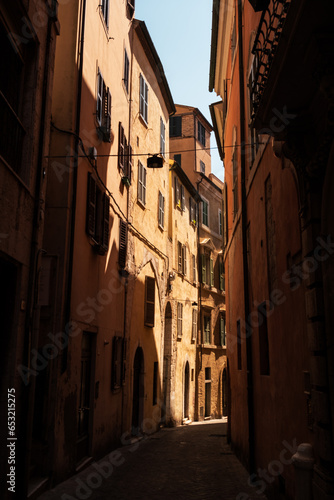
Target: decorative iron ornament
{"points": [[265, 45]]}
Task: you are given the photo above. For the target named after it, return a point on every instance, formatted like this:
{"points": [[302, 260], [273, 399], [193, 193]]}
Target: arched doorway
{"points": [[138, 391], [186, 391], [224, 393], [166, 381]]}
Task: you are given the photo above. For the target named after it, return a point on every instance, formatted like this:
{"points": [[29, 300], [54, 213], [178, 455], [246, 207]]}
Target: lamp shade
{"points": [[155, 161]]}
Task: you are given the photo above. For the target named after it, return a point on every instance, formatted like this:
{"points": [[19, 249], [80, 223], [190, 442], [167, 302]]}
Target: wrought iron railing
{"points": [[11, 135], [267, 40]]}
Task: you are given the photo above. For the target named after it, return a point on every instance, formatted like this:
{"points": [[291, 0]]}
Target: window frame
{"points": [[202, 167], [206, 331], [205, 201], [194, 325], [201, 135], [126, 71], [162, 137], [143, 98], [179, 320], [161, 210], [141, 186], [149, 306], [104, 6]]}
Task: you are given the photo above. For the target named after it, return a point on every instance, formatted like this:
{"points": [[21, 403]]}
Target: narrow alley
{"points": [[193, 462]]}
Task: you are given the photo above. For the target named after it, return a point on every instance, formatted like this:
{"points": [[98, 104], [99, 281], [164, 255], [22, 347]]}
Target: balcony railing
{"points": [[11, 135], [265, 45]]}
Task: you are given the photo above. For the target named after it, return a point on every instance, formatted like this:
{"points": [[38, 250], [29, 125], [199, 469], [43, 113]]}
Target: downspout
{"points": [[33, 309], [199, 327], [75, 181], [250, 400], [126, 284]]}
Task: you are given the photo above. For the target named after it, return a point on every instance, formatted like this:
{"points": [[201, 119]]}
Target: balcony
{"points": [[293, 50], [11, 135]]}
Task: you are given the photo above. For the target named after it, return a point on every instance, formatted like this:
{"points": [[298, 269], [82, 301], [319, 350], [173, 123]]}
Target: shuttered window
{"points": [[97, 215], [222, 331], [141, 183], [179, 319], [149, 301], [126, 71], [201, 133], [121, 147], [212, 276], [162, 136], [161, 214], [207, 329], [203, 267], [143, 98], [122, 243], [175, 126], [194, 269], [103, 109], [194, 325], [105, 11], [221, 276]]}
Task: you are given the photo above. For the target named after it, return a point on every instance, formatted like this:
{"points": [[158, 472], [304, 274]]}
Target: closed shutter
{"points": [[91, 206], [203, 259], [179, 257], [121, 151], [176, 191], [99, 98], [149, 301], [179, 319], [222, 331], [124, 354], [190, 210], [212, 277], [183, 200], [122, 244], [184, 260], [107, 115], [105, 222], [221, 276], [194, 324]]}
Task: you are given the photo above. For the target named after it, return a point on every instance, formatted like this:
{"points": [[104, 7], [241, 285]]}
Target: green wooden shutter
{"points": [[203, 259], [222, 331], [212, 277], [122, 244]]}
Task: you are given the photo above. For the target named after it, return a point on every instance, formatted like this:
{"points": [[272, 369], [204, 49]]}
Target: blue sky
{"points": [[181, 33]]}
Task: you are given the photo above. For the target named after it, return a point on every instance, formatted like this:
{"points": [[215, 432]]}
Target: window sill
{"points": [[141, 204], [142, 119]]}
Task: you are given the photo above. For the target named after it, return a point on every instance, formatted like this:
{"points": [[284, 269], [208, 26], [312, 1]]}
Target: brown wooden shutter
{"points": [[105, 222], [149, 301], [91, 206], [122, 244]]}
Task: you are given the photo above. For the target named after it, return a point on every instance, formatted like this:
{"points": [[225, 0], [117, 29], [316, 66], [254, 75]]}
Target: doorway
{"points": [[138, 392], [166, 379], [186, 391], [85, 398]]}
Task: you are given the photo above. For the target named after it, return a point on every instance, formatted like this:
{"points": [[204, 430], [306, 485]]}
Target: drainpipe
{"points": [[126, 284], [250, 400], [198, 368], [75, 181]]}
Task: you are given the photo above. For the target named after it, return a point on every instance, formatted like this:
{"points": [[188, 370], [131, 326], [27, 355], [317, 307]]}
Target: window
{"points": [[177, 158], [201, 133], [205, 212], [105, 11], [181, 258], [123, 233], [192, 211], [122, 146], [207, 270], [97, 216], [175, 126], [149, 301], [219, 222], [207, 392], [126, 71], [222, 331], [202, 166], [221, 275], [235, 184], [194, 325], [162, 137], [155, 383], [179, 196], [143, 99], [103, 109], [179, 319], [263, 339], [207, 329], [118, 362], [141, 183], [161, 215], [194, 268], [239, 346]]}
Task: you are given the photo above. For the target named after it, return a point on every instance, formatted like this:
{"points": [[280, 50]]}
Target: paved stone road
{"points": [[190, 462]]}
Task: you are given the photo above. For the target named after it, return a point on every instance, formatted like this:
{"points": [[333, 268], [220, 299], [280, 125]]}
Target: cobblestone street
{"points": [[191, 462]]}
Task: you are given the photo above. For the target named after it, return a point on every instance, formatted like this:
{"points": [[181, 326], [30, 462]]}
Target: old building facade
{"points": [[28, 33], [190, 147], [269, 66]]}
